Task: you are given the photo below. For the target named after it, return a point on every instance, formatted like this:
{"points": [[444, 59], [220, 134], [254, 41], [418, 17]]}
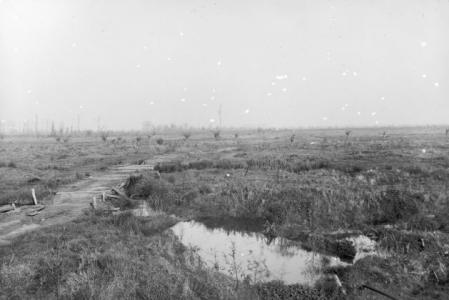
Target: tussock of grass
{"points": [[107, 257]]}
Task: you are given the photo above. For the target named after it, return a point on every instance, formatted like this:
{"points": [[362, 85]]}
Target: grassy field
{"points": [[314, 186]]}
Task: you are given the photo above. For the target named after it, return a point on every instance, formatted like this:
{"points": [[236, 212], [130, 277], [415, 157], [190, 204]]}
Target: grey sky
{"points": [[346, 62]]}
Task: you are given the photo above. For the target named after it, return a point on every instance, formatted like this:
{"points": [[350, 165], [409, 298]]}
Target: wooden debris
{"points": [[94, 203], [6, 208], [39, 207], [338, 283], [33, 193], [35, 210], [379, 292], [119, 193]]}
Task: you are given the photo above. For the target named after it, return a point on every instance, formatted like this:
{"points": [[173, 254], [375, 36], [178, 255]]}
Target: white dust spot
{"points": [[424, 151], [269, 94], [247, 111], [343, 74], [423, 44], [284, 90], [304, 78], [273, 83], [219, 63], [424, 75], [204, 104], [138, 66], [211, 120], [281, 77], [181, 34], [183, 100], [436, 84], [212, 98], [373, 113], [324, 118], [354, 74], [74, 44], [359, 113]]}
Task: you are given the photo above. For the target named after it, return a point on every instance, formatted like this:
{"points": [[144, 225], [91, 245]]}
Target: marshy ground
{"points": [[316, 192]]}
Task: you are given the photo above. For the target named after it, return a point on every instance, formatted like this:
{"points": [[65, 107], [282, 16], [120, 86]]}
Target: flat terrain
{"points": [[314, 188]]}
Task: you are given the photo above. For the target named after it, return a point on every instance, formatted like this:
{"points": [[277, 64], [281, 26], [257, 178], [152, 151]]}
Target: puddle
{"points": [[255, 256]]}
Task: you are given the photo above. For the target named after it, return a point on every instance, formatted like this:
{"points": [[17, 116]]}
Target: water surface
{"points": [[253, 254]]}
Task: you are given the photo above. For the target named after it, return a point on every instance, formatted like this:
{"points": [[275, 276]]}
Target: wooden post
{"points": [[94, 203], [33, 193]]}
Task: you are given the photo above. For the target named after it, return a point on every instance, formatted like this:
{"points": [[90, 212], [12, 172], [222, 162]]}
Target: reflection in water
{"points": [[251, 256]]}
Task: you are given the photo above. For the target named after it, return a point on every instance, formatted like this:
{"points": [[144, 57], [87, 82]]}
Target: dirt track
{"points": [[69, 201]]}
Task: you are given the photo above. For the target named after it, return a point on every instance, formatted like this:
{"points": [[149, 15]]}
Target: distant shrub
{"points": [[58, 139], [201, 164], [229, 164], [144, 186], [159, 141], [216, 134], [186, 135], [169, 167]]}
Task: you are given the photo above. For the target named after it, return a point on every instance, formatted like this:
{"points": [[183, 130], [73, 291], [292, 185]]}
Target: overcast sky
{"points": [[268, 63]]}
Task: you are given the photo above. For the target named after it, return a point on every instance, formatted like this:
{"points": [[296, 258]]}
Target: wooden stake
{"points": [[33, 193]]}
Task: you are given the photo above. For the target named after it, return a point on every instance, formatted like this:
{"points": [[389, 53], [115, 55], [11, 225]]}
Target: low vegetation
{"points": [[311, 186]]}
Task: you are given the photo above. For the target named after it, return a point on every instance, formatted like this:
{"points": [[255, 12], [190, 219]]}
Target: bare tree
{"points": [[104, 136], [347, 133]]}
